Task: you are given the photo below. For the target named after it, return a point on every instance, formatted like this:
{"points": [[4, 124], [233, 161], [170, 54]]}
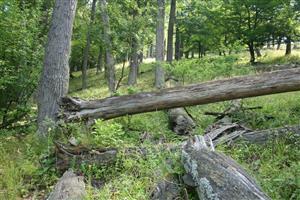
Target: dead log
{"points": [[222, 133], [197, 94], [67, 156], [180, 122], [217, 176], [168, 189], [69, 187]]}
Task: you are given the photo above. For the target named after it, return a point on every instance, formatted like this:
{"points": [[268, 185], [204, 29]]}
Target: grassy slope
{"points": [[27, 168]]}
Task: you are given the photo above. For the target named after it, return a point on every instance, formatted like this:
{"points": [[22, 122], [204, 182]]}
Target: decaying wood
{"points": [[232, 132], [168, 189], [180, 122], [69, 187], [197, 94], [217, 176], [68, 156]]}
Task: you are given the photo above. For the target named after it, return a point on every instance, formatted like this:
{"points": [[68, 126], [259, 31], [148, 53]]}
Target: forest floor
{"points": [[27, 164]]}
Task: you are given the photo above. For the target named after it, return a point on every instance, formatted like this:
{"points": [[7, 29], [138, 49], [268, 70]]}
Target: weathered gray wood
{"points": [[197, 94], [217, 176], [232, 132], [168, 189], [261, 137], [54, 80], [180, 122], [69, 187]]}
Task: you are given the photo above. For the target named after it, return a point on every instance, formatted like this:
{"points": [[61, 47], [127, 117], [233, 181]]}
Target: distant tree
{"points": [[251, 21], [54, 80], [88, 45], [159, 72], [110, 63], [172, 19]]}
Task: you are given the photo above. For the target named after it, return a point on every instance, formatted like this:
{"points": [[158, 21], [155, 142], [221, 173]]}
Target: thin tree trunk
{"points": [[87, 47], [100, 60], [279, 43], [252, 52], [203, 93], [177, 44], [171, 31], [159, 72], [288, 50], [110, 65], [257, 51], [54, 82], [134, 63]]}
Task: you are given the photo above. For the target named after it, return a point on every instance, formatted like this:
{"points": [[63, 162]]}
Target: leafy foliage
{"points": [[20, 57]]}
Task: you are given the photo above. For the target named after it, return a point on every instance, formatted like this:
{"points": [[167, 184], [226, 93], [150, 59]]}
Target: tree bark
{"points": [[288, 50], [177, 44], [197, 94], [172, 20], [252, 52], [100, 60], [279, 43], [258, 53], [217, 176], [70, 186], [134, 63], [110, 65], [87, 46], [54, 82], [159, 72]]}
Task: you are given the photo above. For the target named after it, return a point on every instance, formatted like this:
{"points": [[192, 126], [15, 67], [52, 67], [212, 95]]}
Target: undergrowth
{"points": [[27, 164]]}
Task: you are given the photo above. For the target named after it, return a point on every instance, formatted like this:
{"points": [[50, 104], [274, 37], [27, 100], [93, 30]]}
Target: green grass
{"points": [[27, 166]]}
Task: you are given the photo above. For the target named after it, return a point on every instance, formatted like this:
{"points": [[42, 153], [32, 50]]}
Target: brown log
{"points": [[197, 94], [217, 176], [68, 156]]}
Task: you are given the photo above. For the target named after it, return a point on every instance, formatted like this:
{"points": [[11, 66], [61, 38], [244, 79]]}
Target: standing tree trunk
{"points": [[134, 63], [177, 44], [159, 72], [252, 52], [171, 31], [288, 50], [110, 65], [54, 82], [257, 51], [100, 60], [279, 43], [87, 47]]}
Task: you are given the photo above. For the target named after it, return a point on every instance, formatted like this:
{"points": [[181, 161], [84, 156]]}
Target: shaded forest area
{"points": [[149, 99]]}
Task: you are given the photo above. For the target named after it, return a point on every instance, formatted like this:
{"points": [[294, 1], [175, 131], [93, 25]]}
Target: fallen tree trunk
{"points": [[204, 93], [180, 122], [217, 176]]}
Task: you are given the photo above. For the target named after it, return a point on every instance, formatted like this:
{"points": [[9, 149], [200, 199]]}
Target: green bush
{"points": [[107, 134], [21, 52]]}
